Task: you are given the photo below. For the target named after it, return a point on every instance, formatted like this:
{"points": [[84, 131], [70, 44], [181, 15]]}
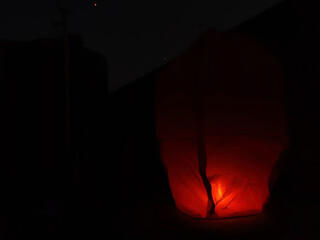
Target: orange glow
{"points": [[239, 182], [219, 192], [95, 5]]}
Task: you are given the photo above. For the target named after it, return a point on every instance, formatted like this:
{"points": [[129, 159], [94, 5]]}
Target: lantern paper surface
{"points": [[237, 82]]}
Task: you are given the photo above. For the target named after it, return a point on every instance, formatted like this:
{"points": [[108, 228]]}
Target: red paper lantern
{"points": [[220, 101]]}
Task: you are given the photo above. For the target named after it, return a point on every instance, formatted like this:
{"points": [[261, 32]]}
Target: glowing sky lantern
{"points": [[236, 82]]}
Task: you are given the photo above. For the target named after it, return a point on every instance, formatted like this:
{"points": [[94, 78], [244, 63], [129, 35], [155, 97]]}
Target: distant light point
{"points": [[95, 4]]}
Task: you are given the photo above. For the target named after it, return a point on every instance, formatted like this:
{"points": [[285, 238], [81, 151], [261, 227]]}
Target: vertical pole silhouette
{"points": [[62, 7]]}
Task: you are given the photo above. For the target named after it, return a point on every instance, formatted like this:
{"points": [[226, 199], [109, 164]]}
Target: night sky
{"points": [[134, 36]]}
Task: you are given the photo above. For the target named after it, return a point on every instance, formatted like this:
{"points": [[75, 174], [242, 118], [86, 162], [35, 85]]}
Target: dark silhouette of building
{"points": [[40, 175]]}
